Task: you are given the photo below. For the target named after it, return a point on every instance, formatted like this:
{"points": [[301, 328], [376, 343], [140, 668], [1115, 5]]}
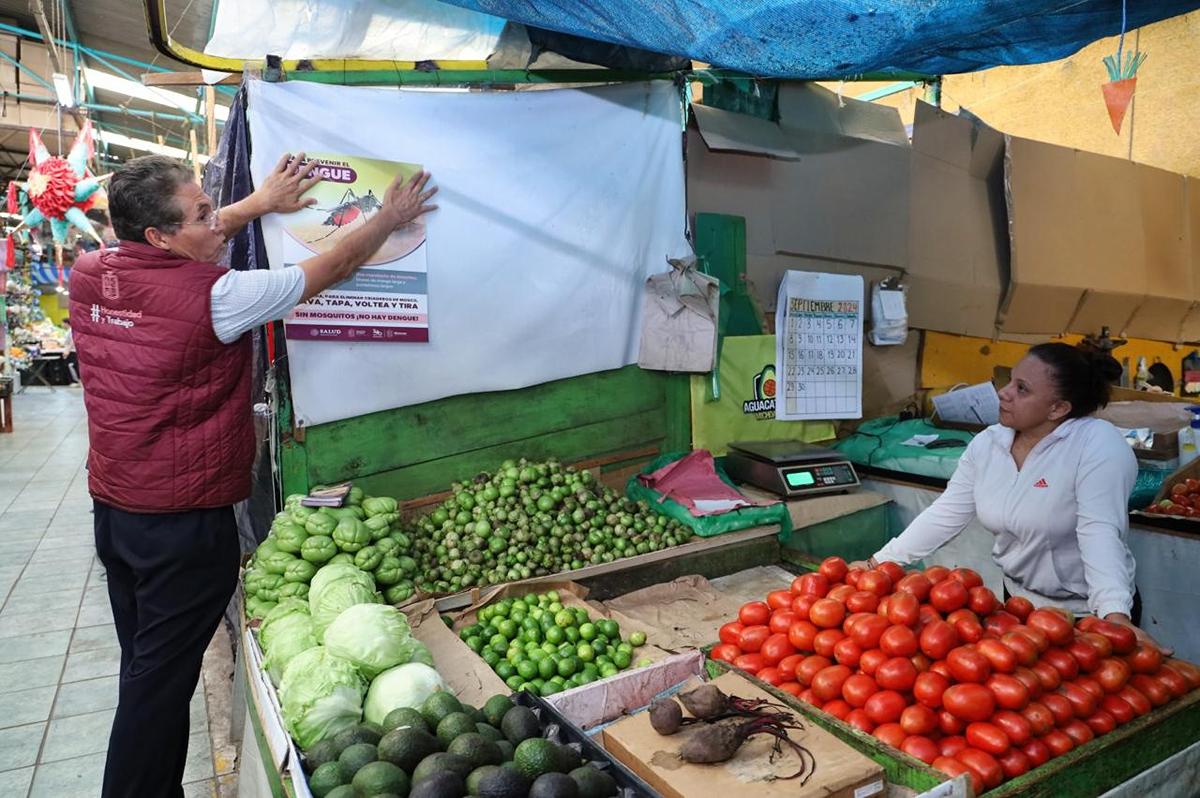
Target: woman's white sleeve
{"points": [[1105, 479], [942, 520]]}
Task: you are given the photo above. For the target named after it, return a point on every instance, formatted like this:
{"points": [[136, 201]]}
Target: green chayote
{"points": [[386, 545], [320, 524], [398, 593], [299, 571], [318, 549], [408, 565], [368, 558], [290, 536], [350, 535], [355, 497], [341, 557], [278, 562], [293, 590], [388, 571], [380, 505]]}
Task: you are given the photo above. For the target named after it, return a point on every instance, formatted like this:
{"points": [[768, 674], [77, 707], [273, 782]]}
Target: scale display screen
{"points": [[800, 479]]}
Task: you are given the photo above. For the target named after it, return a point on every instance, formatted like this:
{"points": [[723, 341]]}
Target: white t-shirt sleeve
{"points": [[242, 300], [1105, 479], [946, 517]]}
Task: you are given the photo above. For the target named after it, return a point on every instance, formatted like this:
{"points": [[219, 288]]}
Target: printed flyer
{"points": [[386, 300]]}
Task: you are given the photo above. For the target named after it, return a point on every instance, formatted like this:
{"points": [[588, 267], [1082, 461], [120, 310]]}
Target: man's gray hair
{"points": [[142, 194]]}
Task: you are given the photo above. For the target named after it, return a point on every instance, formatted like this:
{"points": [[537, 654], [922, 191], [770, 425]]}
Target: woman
{"points": [[1052, 483]]}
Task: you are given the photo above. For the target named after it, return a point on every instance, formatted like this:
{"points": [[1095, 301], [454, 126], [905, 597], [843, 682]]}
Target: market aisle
{"points": [[58, 651]]}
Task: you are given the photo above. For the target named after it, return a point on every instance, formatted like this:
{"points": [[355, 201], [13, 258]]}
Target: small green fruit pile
{"points": [[536, 644]]}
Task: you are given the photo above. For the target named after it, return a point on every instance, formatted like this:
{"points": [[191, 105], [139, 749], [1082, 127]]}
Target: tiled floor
{"points": [[59, 656]]}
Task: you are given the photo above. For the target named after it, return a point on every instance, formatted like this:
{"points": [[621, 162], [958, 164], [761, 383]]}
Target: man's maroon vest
{"points": [[169, 412]]}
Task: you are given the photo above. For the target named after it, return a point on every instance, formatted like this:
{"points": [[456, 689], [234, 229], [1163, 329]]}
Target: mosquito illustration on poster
{"points": [[346, 199]]}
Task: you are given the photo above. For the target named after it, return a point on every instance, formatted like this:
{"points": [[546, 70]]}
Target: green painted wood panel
{"points": [[576, 443], [408, 436]]}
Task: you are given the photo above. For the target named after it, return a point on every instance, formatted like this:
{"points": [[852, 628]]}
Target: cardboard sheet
{"points": [[957, 244], [467, 675], [1170, 284], [841, 772], [1078, 251]]}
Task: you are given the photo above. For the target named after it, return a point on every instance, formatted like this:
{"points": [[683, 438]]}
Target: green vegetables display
{"points": [[441, 748], [536, 644], [364, 534], [532, 519]]}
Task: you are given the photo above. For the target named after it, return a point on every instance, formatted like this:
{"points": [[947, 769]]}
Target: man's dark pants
{"points": [[170, 578]]}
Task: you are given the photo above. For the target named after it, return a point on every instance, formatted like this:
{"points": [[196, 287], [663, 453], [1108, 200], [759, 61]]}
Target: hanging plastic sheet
{"points": [[387, 30], [554, 208], [833, 38]]}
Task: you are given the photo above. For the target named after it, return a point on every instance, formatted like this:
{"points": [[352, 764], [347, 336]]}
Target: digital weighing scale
{"points": [[790, 468]]}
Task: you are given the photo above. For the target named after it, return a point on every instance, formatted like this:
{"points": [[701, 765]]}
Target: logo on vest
{"points": [[1041, 483], [118, 318], [109, 287]]}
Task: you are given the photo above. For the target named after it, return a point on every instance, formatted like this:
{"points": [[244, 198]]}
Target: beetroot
{"points": [[665, 716]]}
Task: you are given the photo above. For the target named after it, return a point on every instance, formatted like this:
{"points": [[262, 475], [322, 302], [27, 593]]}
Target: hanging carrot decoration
{"points": [[1122, 71]]}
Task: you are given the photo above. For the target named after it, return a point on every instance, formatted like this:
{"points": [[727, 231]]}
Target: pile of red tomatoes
{"points": [[931, 663]]}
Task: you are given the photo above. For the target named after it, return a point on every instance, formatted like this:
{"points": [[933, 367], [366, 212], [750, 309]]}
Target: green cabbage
{"points": [[290, 635], [321, 695], [285, 608], [413, 650], [371, 636], [335, 588], [403, 686]]}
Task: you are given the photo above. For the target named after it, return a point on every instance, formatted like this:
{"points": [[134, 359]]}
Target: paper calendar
{"points": [[818, 346]]}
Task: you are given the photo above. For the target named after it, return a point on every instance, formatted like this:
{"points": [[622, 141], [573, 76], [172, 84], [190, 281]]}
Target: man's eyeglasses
{"points": [[209, 219]]}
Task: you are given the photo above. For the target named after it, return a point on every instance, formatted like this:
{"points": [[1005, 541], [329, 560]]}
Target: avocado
{"points": [[356, 756], [345, 791], [438, 706], [443, 784], [489, 731], [320, 753], [407, 746], [476, 714], [454, 725], [326, 777], [502, 782], [496, 707], [554, 785], [438, 762], [506, 749], [476, 775], [405, 716], [537, 756], [593, 782], [568, 759], [520, 724], [476, 749], [380, 777], [361, 733]]}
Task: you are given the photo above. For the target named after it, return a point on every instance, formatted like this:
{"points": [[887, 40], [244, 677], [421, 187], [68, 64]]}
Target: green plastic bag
{"points": [[709, 525]]}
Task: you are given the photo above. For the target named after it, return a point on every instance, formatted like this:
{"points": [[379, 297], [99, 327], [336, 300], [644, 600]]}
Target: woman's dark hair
{"points": [[1081, 377], [142, 194]]}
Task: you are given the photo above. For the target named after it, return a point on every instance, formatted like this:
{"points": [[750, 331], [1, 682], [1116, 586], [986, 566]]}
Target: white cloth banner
{"points": [[388, 30], [554, 208]]}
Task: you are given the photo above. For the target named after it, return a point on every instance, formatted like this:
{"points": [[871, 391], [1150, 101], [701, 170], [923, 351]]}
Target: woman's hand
{"points": [[282, 190], [1142, 636], [865, 565]]}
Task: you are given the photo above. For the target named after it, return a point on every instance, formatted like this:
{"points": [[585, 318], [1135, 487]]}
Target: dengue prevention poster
{"points": [[387, 299]]}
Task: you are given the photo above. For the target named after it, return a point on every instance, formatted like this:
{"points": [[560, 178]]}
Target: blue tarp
{"points": [[838, 38]]}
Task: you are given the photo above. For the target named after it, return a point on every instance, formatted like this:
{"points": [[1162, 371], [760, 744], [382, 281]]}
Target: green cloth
{"points": [[880, 443], [745, 409], [708, 526]]}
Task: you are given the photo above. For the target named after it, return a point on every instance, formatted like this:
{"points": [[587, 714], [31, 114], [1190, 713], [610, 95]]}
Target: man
{"points": [[160, 334]]}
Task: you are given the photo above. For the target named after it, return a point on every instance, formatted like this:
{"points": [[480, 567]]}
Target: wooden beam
{"points": [[210, 118], [194, 78], [195, 153]]}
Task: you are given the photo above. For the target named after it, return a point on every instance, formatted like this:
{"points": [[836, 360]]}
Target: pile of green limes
{"points": [[534, 643]]}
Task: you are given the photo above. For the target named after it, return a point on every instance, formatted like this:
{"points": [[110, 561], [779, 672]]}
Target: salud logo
{"points": [[109, 287], [764, 393]]}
